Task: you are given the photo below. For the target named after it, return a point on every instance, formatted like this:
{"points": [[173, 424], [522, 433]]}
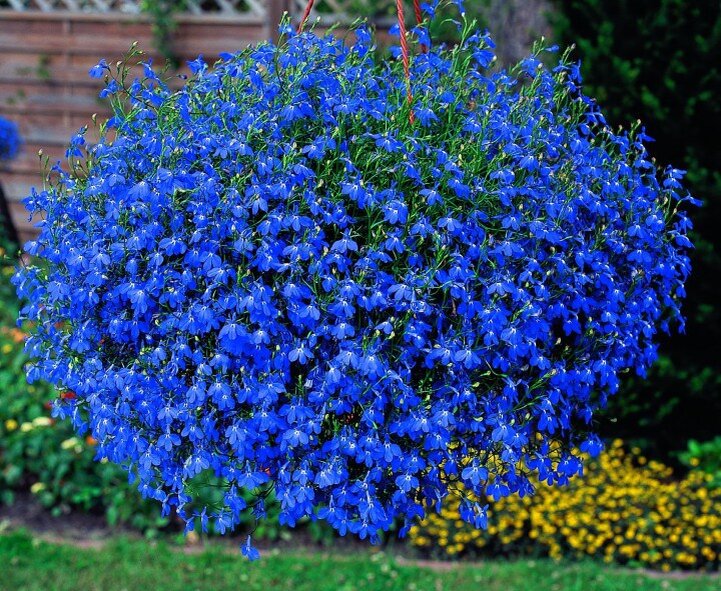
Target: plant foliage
{"points": [[660, 60]]}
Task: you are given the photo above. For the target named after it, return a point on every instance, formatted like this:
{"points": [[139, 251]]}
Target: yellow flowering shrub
{"points": [[624, 509]]}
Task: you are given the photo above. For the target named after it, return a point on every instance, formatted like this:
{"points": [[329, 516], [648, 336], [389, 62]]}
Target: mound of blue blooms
{"points": [[275, 279], [10, 140]]}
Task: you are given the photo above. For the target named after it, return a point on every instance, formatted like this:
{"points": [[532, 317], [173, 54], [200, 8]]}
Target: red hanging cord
{"points": [[418, 11], [306, 14], [405, 53], [419, 20]]}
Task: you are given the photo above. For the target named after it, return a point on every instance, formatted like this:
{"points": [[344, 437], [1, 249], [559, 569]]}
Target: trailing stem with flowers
{"points": [[277, 277]]}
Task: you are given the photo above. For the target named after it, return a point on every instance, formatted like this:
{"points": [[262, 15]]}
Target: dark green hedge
{"points": [[660, 61]]}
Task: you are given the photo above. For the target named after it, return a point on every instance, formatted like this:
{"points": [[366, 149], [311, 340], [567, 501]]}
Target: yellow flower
{"points": [[11, 424], [37, 487], [626, 507], [70, 443]]}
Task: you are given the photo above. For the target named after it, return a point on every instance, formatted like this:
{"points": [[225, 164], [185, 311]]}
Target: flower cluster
{"points": [[10, 140], [278, 277], [625, 509]]}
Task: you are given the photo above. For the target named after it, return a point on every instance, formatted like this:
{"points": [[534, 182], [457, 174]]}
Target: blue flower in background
{"points": [[10, 140], [274, 277]]}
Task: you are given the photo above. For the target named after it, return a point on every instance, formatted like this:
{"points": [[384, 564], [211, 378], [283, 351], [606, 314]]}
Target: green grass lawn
{"points": [[27, 564]]}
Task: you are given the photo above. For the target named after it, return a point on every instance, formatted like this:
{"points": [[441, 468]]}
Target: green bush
{"points": [[704, 457], [660, 60]]}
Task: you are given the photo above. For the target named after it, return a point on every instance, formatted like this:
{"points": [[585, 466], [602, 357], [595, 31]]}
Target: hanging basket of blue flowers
{"points": [[295, 275]]}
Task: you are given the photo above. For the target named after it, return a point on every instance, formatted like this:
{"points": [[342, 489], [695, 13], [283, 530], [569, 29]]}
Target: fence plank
{"points": [[45, 57], [44, 82]]}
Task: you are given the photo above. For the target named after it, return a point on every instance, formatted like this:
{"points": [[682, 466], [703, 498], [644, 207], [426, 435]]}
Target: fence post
{"points": [[276, 9]]}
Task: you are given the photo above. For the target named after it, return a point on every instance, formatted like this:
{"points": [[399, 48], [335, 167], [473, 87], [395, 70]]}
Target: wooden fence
{"points": [[47, 47]]}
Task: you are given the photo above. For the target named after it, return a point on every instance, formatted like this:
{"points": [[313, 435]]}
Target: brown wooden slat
{"points": [[120, 17], [44, 82], [26, 228], [48, 128], [45, 108], [28, 161], [58, 70], [18, 183], [116, 42]]}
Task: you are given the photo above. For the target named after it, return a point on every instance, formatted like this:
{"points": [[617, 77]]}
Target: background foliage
{"points": [[163, 15], [658, 60]]}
